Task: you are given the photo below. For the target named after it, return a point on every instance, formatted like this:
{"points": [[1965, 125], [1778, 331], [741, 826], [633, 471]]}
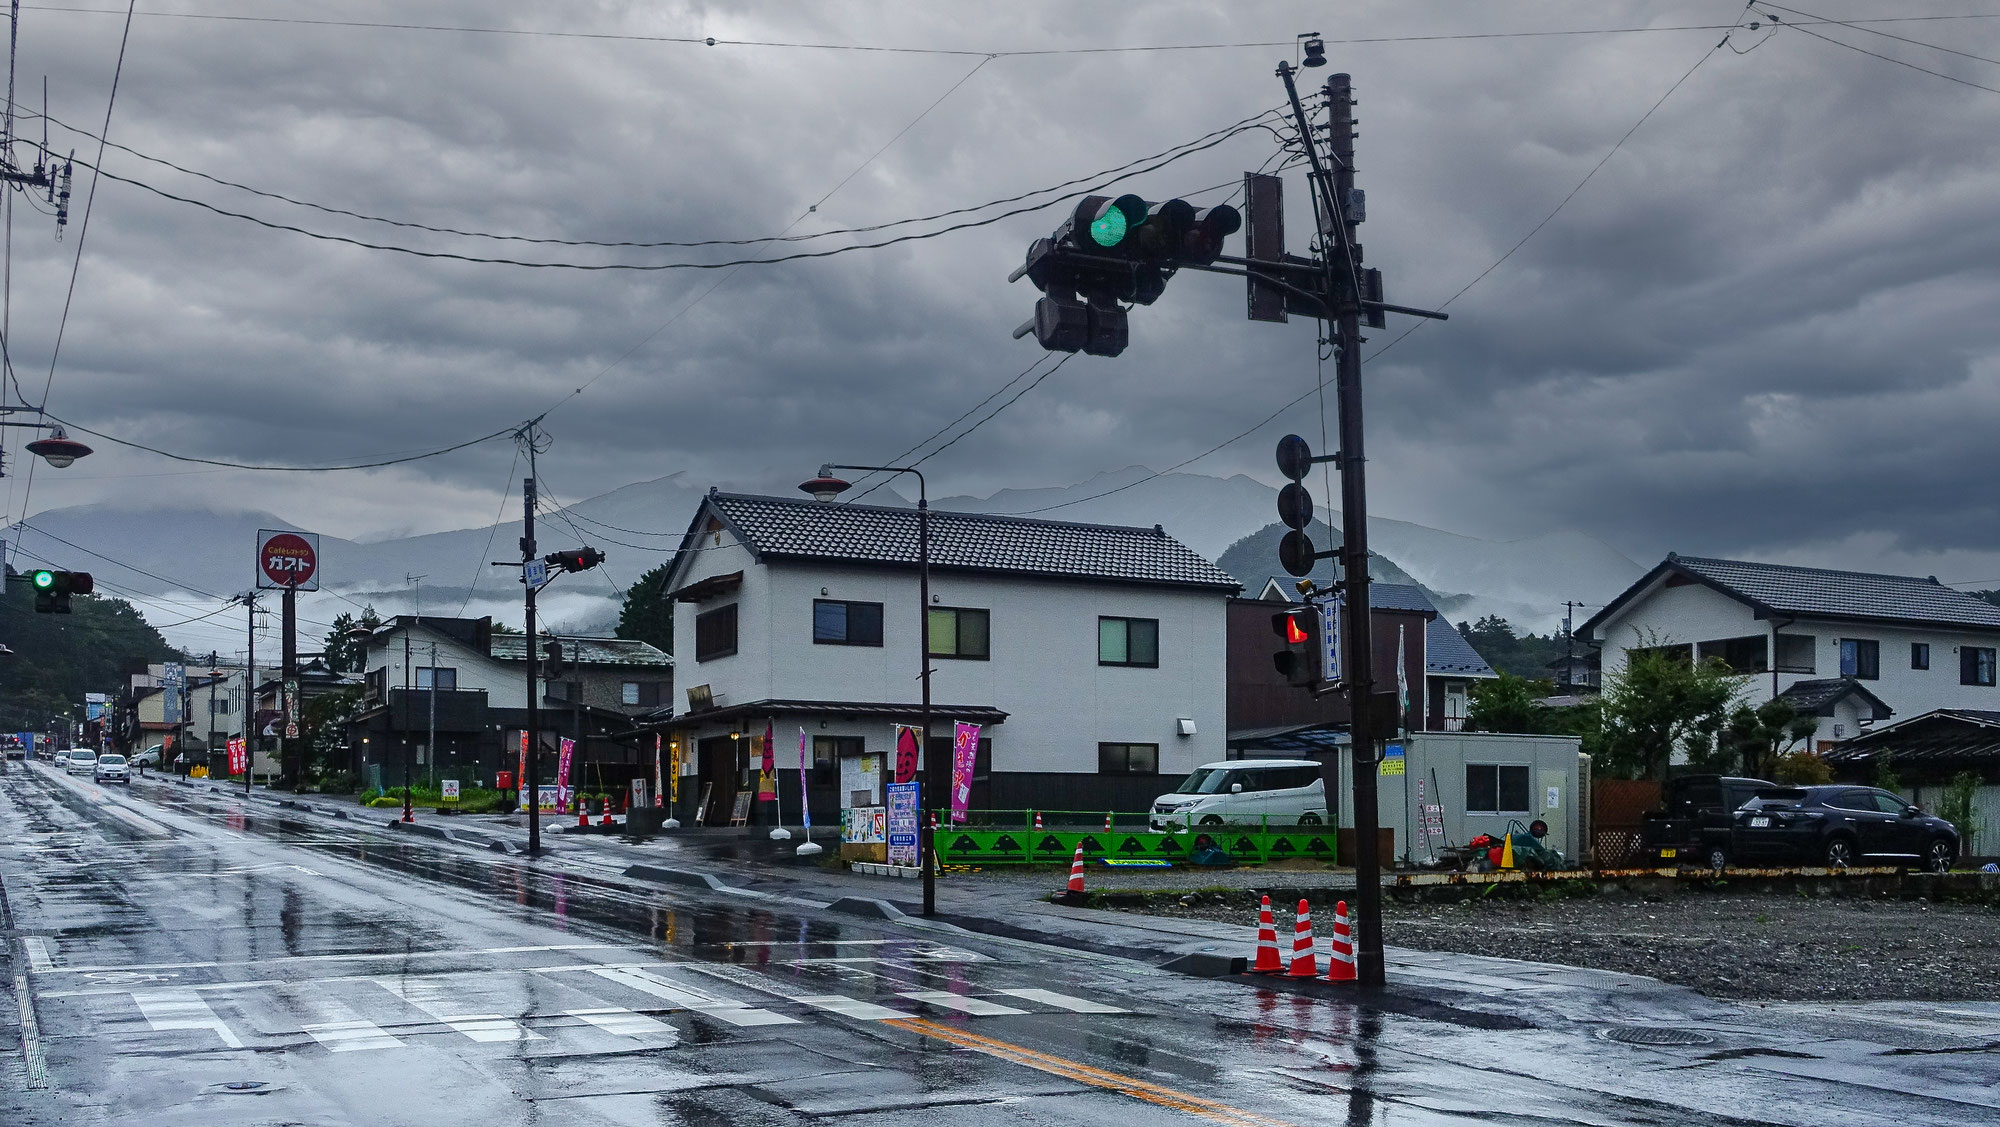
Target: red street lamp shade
{"points": [[825, 487], [58, 449]]}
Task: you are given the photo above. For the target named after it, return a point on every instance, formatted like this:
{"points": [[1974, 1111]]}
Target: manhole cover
{"points": [[1657, 1035], [245, 1085]]}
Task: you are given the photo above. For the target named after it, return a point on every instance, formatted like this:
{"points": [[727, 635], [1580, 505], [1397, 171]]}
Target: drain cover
{"points": [[245, 1085], [1657, 1035]]}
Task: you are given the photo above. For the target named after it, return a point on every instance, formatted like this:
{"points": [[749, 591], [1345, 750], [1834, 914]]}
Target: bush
{"points": [[1956, 807], [1800, 768]]}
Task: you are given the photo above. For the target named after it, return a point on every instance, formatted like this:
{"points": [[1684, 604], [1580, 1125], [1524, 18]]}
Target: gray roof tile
{"points": [[1446, 652], [808, 529], [1844, 594], [589, 651]]}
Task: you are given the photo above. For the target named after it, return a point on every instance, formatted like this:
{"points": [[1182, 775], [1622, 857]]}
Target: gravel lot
{"points": [[1775, 947]]}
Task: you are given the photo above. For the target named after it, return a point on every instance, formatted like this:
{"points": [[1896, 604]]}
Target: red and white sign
{"points": [[288, 559]]}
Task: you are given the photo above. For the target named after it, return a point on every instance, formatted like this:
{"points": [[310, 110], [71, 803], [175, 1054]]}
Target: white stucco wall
{"points": [[1043, 668], [506, 685]]}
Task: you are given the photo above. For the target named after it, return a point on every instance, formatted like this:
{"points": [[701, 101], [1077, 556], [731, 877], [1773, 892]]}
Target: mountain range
{"points": [[150, 551]]}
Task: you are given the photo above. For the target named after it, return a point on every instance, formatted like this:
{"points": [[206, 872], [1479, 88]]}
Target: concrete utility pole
{"points": [[1570, 607], [250, 695], [532, 784]]}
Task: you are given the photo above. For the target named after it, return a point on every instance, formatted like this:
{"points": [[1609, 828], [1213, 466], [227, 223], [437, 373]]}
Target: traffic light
{"points": [[1295, 506], [53, 589], [576, 559], [1114, 249], [1298, 658], [552, 660]]}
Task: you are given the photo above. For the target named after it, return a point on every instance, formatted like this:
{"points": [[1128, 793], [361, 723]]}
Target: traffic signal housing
{"points": [[552, 660], [575, 559], [53, 589], [1297, 657]]}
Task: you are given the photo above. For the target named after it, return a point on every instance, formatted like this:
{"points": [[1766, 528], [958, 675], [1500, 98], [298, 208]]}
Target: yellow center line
{"points": [[1156, 1094]]}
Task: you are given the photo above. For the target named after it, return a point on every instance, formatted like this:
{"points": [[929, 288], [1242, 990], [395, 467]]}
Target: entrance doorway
{"points": [[716, 760]]}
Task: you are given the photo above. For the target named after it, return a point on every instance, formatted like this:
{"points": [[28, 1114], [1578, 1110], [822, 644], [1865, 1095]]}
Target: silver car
{"points": [[78, 759], [110, 769]]}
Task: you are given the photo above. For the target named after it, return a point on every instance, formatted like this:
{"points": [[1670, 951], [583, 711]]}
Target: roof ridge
{"points": [[1926, 580], [1155, 530]]}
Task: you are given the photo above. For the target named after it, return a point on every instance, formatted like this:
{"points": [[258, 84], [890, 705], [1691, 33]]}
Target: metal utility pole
{"points": [[533, 783], [430, 741], [291, 758], [214, 675], [1570, 607]]}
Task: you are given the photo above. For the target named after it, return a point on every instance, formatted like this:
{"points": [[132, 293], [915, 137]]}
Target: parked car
{"points": [[149, 757], [1696, 818], [110, 769], [1253, 791], [1839, 826]]}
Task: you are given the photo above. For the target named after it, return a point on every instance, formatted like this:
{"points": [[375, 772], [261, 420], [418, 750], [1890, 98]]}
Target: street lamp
{"points": [[58, 449], [824, 488]]}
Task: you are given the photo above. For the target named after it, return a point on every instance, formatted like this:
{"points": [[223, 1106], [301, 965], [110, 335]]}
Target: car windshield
{"points": [[111, 760], [1204, 780]]}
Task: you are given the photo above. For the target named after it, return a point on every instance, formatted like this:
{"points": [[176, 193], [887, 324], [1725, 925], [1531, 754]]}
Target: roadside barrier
{"points": [[1076, 872], [1304, 964], [1267, 943], [1340, 962]]}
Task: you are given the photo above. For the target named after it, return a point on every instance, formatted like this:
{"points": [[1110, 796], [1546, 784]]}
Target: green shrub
{"points": [[1956, 807]]}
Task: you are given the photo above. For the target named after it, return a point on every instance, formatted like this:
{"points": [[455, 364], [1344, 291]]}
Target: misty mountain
{"points": [[1253, 560]]}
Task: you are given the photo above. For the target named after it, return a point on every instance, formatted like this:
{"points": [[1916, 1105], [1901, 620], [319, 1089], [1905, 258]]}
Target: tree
{"points": [[1756, 740], [1525, 655], [1508, 704], [59, 657], [1956, 807], [323, 727], [503, 628], [648, 615], [346, 653], [1663, 703]]}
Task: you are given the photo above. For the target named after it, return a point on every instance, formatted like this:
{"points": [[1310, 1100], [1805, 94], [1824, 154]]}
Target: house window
{"points": [[442, 677], [1920, 655], [218, 706], [1860, 658], [837, 623], [1742, 655], [960, 632], [1975, 665], [1128, 759], [1796, 653], [568, 691], [644, 694], [715, 633], [1128, 641], [1496, 788]]}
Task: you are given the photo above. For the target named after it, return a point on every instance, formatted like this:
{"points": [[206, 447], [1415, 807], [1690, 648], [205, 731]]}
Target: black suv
{"points": [[1841, 825], [1694, 825]]}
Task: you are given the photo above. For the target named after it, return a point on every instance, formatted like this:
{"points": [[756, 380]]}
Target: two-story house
{"points": [[1850, 647], [1092, 655], [452, 694]]}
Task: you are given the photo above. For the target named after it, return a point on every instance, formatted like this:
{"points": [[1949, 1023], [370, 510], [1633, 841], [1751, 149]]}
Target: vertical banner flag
{"points": [[1402, 682], [172, 680], [674, 745], [767, 776], [906, 751], [805, 803], [658, 797], [562, 774], [521, 779], [964, 756]]}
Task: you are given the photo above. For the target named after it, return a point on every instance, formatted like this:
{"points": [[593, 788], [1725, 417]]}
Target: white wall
{"points": [[1043, 668], [506, 684]]}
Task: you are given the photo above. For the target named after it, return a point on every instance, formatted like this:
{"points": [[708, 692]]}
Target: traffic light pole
{"points": [[1335, 188], [533, 783]]}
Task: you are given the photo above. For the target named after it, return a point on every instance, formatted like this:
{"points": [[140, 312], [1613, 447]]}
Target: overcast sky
{"points": [[1765, 328]]}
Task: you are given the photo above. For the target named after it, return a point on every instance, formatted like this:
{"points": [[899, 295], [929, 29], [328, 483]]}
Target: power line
{"points": [[1016, 378], [1872, 31], [1887, 58], [989, 417], [479, 565], [396, 461]]}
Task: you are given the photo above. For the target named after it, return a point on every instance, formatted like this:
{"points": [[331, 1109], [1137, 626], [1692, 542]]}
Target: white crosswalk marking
{"points": [[852, 1007], [182, 1009], [625, 1023], [1064, 1001], [432, 996], [38, 954], [351, 1036], [733, 1012], [977, 1007]]}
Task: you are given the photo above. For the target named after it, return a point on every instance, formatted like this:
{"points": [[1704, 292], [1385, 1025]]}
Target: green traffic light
{"points": [[45, 579], [1108, 230]]}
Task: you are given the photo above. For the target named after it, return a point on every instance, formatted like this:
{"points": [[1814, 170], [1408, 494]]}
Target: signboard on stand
{"points": [[902, 824], [287, 559], [448, 790]]}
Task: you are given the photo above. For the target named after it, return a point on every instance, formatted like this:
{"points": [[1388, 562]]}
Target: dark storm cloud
{"points": [[1766, 324]]}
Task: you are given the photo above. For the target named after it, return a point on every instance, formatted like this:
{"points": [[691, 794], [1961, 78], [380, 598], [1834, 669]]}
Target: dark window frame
{"points": [[450, 678], [1867, 664], [1128, 622], [1124, 752], [1920, 655], [1499, 788], [958, 633], [1975, 665], [849, 621], [708, 625]]}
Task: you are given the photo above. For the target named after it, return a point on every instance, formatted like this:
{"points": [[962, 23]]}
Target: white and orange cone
{"points": [[1304, 964], [1076, 873], [1038, 820], [1267, 943], [1340, 961], [1107, 821]]}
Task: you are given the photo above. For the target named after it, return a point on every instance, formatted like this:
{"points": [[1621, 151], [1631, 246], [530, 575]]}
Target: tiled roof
{"points": [[1446, 650], [1947, 739], [1817, 697], [587, 651], [1824, 593], [808, 529]]}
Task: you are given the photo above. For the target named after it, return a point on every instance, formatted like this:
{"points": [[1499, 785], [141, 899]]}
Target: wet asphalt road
{"points": [[197, 960]]}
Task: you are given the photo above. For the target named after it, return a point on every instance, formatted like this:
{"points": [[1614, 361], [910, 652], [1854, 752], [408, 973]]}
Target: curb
{"points": [[866, 906], [685, 877]]}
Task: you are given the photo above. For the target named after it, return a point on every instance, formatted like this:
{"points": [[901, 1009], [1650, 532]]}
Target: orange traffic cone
{"points": [[1076, 873], [1107, 821], [1340, 963], [1038, 820], [1267, 943], [606, 821], [582, 817], [1304, 965]]}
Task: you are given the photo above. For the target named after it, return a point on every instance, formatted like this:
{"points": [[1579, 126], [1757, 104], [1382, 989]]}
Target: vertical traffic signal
{"points": [[1297, 658], [1295, 506], [53, 589], [552, 660]]}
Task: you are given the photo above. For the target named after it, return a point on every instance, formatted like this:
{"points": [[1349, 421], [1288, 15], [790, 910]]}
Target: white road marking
{"points": [[626, 1023], [686, 997], [1064, 1001], [431, 995], [977, 1007], [39, 959], [181, 1009], [852, 1007], [358, 956], [351, 1036]]}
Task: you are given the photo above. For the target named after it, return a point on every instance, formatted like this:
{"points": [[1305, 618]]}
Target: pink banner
{"points": [[964, 758], [562, 774], [805, 800], [767, 781]]}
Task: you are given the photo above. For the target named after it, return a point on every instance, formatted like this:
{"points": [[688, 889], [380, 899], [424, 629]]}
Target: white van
{"points": [[1278, 792]]}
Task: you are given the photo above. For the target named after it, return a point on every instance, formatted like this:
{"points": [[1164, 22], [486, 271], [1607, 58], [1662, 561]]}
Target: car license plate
{"points": [[1669, 854], [1759, 823]]}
